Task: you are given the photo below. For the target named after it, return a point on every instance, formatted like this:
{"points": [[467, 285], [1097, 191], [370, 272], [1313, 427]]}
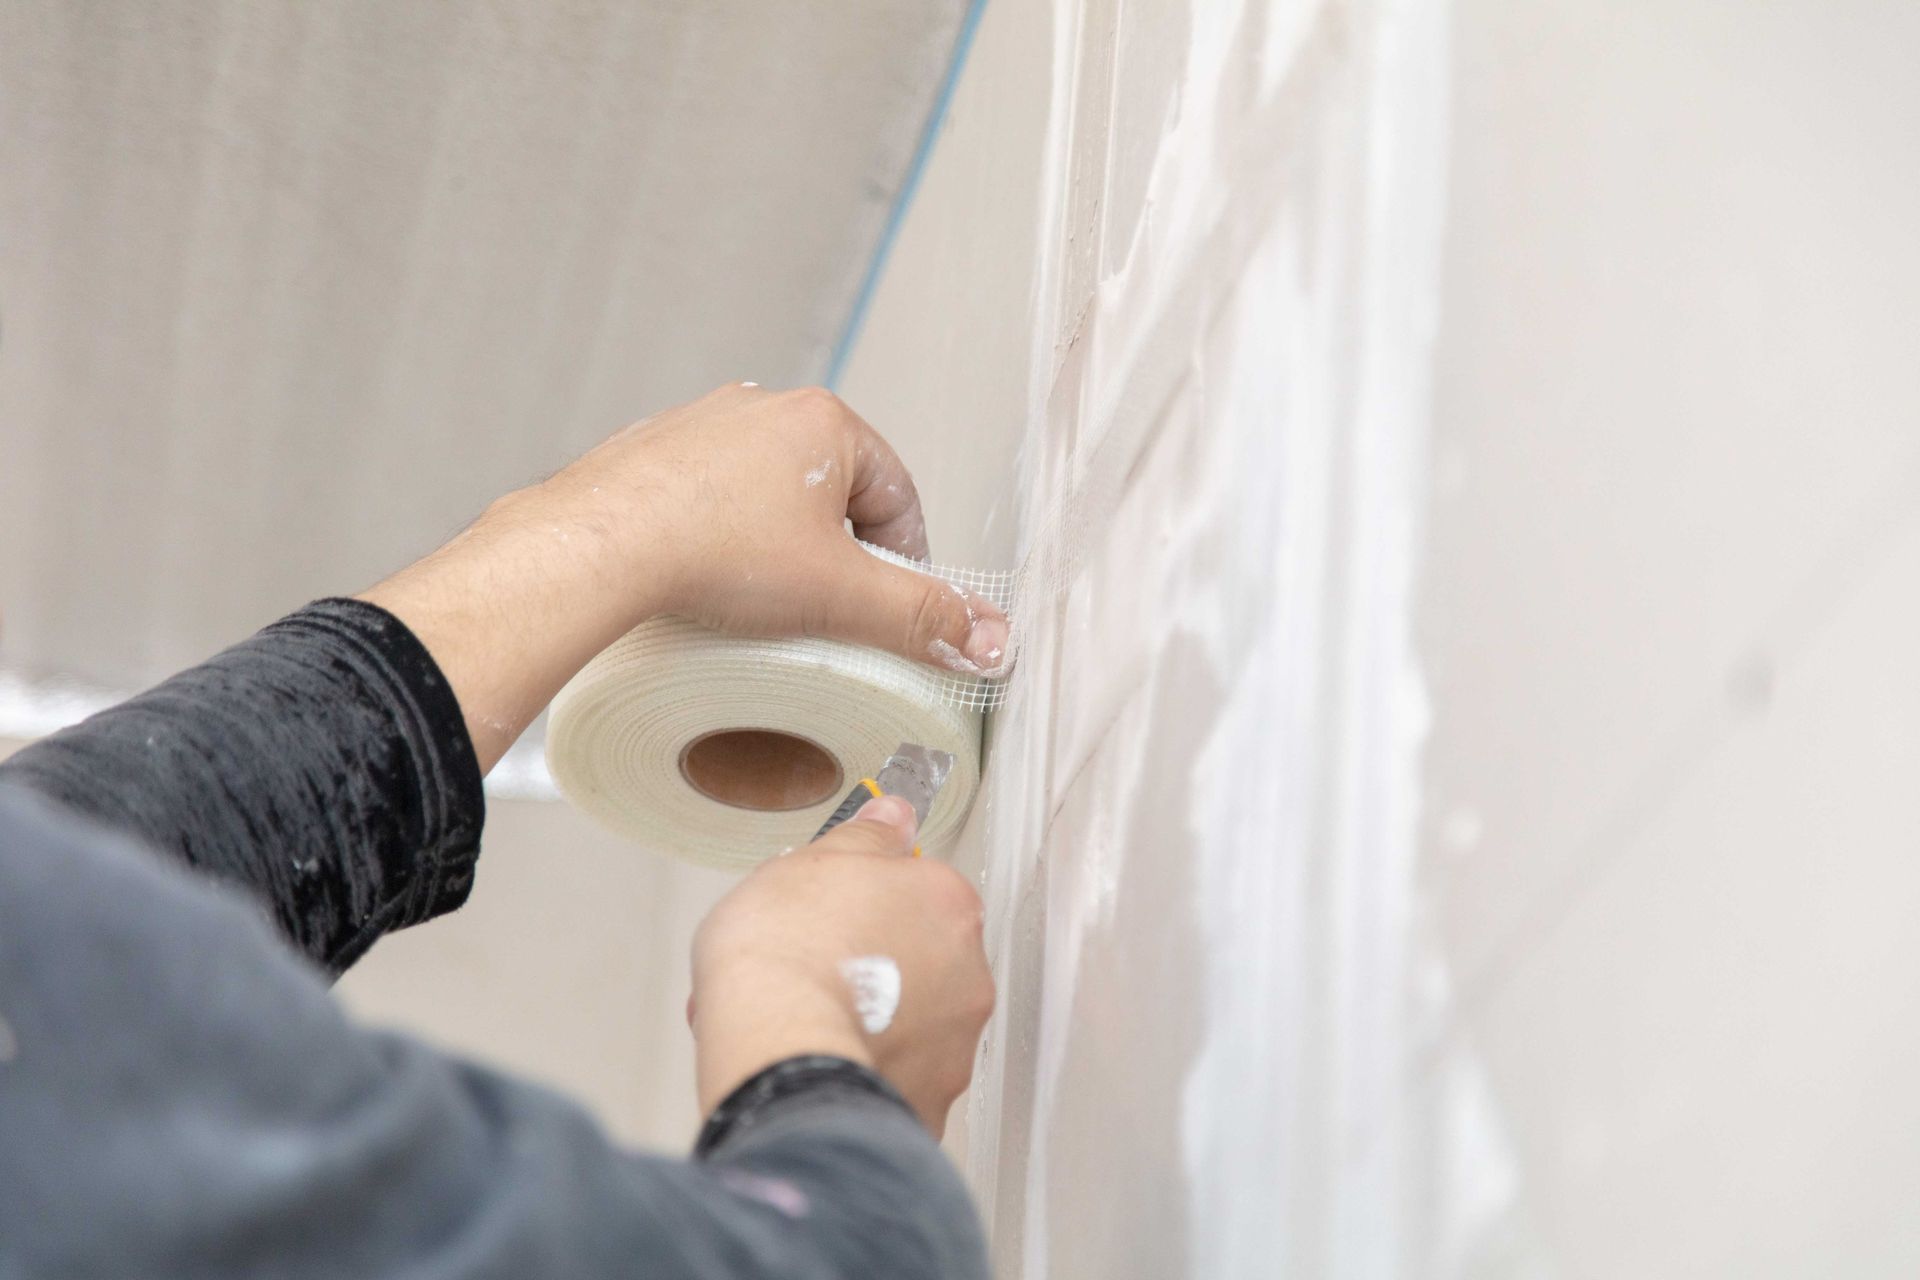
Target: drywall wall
{"points": [[1196, 841], [1670, 619], [1637, 1000]]}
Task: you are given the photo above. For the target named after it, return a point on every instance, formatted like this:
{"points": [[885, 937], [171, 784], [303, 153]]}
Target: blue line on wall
{"points": [[909, 186]]}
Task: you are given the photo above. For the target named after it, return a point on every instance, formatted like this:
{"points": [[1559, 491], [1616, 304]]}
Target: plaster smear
{"points": [[875, 983]]}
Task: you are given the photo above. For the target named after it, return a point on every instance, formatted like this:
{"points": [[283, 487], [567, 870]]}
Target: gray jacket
{"points": [[180, 1096]]}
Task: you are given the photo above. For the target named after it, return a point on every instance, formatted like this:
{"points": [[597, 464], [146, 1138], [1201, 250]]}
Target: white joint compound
{"points": [[875, 983]]}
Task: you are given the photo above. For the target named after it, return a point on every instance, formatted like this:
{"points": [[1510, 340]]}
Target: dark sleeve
{"points": [[179, 1097], [322, 765]]}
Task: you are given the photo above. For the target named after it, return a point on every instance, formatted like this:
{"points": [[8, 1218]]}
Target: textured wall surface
{"points": [[1629, 994], [1196, 845], [1670, 617]]}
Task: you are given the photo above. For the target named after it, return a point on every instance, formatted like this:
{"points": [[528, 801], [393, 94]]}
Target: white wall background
{"points": [[1633, 998], [1671, 606]]}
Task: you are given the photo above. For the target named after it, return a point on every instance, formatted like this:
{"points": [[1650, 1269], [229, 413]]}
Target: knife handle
{"points": [[864, 790]]}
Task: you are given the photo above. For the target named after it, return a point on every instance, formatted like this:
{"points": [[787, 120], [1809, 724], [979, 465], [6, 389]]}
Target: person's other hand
{"points": [[777, 961], [735, 505], [731, 510]]}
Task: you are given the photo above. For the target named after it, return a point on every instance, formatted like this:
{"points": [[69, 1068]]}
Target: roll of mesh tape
{"points": [[726, 751]]}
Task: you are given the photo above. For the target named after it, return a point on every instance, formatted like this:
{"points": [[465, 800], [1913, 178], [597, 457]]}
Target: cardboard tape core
{"points": [[761, 769]]}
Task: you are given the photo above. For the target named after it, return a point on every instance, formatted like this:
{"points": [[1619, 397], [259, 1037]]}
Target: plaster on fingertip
{"points": [[952, 659]]}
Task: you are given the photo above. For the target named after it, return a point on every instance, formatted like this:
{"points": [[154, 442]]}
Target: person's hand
{"points": [[735, 506], [730, 510], [782, 963]]}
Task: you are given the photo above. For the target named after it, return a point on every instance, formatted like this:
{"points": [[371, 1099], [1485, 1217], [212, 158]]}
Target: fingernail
{"points": [[893, 811], [987, 643]]}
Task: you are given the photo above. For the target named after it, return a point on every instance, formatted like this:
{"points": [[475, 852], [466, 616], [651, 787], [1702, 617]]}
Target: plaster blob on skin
{"points": [[951, 658], [875, 983]]}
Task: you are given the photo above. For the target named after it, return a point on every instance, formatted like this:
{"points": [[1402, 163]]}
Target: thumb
{"points": [[915, 615], [883, 825]]}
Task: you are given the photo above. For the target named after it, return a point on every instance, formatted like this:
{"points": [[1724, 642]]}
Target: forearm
{"points": [[732, 510], [517, 603], [321, 765]]}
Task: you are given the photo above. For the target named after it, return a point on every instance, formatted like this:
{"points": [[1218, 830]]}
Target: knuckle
{"points": [[816, 402], [932, 613], [956, 1077], [975, 1007], [985, 998], [953, 894], [716, 933], [966, 898]]}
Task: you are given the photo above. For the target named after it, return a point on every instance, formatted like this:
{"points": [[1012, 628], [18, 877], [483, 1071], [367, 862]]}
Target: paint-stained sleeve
{"points": [[893, 1205], [322, 765], [180, 1097]]}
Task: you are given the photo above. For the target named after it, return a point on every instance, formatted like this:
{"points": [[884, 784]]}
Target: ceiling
{"points": [[288, 292]]}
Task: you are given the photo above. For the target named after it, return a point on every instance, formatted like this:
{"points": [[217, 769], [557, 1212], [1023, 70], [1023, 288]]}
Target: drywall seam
{"points": [[1155, 311], [1265, 319]]}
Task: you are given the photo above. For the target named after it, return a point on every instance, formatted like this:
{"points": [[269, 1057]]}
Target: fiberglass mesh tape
{"points": [[619, 734]]}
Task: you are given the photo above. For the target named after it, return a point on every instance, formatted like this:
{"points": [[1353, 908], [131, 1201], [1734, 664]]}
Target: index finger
{"points": [[882, 501]]}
